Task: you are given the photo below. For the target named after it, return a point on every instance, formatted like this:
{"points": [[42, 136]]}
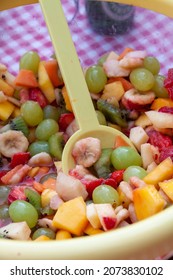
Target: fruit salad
{"points": [[108, 188]]}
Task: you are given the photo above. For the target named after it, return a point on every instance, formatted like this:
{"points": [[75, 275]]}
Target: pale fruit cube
{"points": [[138, 136]]}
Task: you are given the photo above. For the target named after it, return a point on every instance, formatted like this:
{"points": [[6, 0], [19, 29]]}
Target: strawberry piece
{"points": [[109, 222], [110, 182], [165, 153], [170, 92], [16, 193], [19, 158], [117, 176], [64, 121], [170, 74], [159, 140], [24, 95], [91, 185], [166, 109], [35, 94]]}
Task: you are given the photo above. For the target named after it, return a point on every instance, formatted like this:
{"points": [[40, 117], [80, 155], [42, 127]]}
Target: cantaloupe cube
{"points": [[147, 202], [167, 187], [6, 109], [42, 238], [45, 83], [71, 216], [163, 171], [89, 230], [63, 234], [114, 89], [161, 102], [6, 88], [66, 99], [16, 112]]}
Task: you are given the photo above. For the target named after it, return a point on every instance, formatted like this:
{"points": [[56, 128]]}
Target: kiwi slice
{"points": [[19, 124], [56, 145], [34, 198]]}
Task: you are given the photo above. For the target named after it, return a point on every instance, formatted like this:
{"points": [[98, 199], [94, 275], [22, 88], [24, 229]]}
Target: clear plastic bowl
{"points": [[23, 29]]}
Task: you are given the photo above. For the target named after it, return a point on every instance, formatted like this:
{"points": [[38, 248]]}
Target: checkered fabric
{"points": [[23, 29]]}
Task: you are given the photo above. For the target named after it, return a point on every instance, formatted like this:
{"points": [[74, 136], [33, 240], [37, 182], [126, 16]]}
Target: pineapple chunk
{"points": [[45, 83], [46, 196], [143, 121], [6, 109], [147, 202], [92, 216], [6, 88], [161, 172], [114, 89], [167, 187], [71, 216]]}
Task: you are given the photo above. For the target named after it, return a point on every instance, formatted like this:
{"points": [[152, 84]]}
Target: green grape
{"points": [[30, 60], [44, 231], [34, 198], [4, 213], [38, 147], [21, 210], [105, 194], [46, 128], [51, 112], [32, 113], [152, 64], [124, 157], [142, 79], [158, 88], [4, 191], [134, 171], [101, 118], [95, 78], [56, 145]]}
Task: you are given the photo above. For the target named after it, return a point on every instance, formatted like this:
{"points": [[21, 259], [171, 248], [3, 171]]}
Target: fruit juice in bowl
{"points": [[111, 193]]}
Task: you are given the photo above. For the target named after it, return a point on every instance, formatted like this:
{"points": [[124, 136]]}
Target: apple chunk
{"points": [[160, 120]]}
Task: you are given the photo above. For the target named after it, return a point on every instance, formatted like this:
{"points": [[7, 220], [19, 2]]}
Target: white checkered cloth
{"points": [[23, 29]]}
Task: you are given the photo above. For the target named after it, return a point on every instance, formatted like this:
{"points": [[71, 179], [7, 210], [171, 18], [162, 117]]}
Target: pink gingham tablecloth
{"points": [[23, 29]]}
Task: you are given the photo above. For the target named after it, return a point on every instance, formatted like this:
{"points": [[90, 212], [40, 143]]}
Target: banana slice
{"points": [[12, 142]]}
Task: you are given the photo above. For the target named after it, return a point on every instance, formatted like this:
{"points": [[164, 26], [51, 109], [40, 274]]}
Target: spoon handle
{"points": [[69, 64]]}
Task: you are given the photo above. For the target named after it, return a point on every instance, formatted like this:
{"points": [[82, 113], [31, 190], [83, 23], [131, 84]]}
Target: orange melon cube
{"points": [[63, 234], [147, 202], [161, 102], [89, 230], [71, 216], [167, 187]]}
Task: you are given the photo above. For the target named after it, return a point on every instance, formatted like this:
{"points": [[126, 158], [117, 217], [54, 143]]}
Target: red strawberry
{"points": [[117, 176], [19, 158], [64, 121], [91, 185], [35, 94], [16, 193], [109, 222]]}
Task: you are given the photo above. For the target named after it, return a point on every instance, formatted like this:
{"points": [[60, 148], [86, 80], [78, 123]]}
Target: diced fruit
{"points": [[146, 154], [46, 196], [89, 230], [160, 120], [69, 187], [17, 231], [161, 102], [138, 136], [63, 234], [6, 88], [42, 238], [71, 216], [147, 201], [120, 142], [35, 94], [45, 83], [159, 140], [126, 84], [165, 153], [66, 99], [114, 89], [106, 215], [92, 216], [167, 187], [19, 158], [26, 78], [53, 71], [64, 121], [143, 121], [6, 109], [161, 172]]}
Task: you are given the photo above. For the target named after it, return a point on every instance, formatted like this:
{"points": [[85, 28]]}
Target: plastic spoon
{"points": [[76, 86], [160, 6]]}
